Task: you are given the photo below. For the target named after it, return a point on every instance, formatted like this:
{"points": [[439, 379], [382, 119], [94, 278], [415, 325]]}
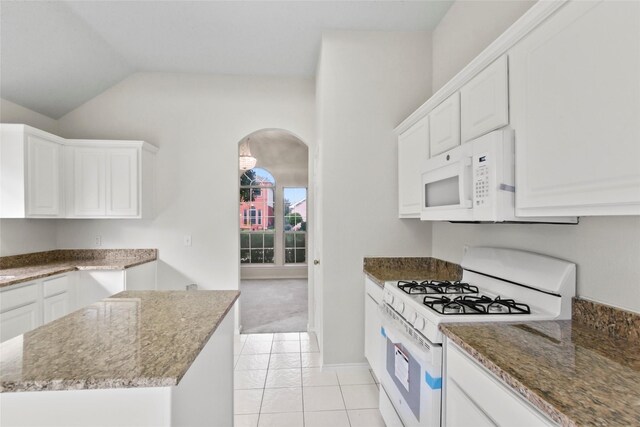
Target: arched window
{"points": [[257, 216]]}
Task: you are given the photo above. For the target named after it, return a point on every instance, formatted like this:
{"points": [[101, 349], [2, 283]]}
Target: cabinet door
{"points": [[483, 392], [122, 182], [19, 320], [460, 411], [444, 125], [56, 306], [484, 101], [413, 150], [89, 181], [43, 177], [575, 104], [373, 345]]}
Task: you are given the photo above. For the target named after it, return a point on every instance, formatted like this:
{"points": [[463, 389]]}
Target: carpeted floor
{"points": [[273, 305]]}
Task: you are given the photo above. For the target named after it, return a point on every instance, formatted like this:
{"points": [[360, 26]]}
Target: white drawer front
{"points": [[56, 286], [14, 298], [488, 393]]}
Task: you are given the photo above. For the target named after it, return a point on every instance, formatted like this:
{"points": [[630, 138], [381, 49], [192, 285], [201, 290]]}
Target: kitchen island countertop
{"points": [[132, 339], [570, 371]]}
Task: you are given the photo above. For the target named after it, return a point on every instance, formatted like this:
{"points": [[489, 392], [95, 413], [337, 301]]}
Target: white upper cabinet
{"points": [[575, 108], [30, 173], [444, 125], [566, 78], [109, 179], [484, 101], [88, 180], [123, 179], [413, 150], [45, 176]]}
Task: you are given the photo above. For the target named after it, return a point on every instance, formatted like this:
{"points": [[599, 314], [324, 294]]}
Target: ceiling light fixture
{"points": [[247, 161]]}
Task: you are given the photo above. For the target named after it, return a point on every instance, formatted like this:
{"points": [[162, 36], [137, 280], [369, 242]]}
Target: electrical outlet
{"points": [[187, 239], [98, 240]]}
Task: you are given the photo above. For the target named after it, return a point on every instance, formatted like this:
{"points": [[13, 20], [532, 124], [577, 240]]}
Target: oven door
{"points": [[446, 186], [411, 374]]}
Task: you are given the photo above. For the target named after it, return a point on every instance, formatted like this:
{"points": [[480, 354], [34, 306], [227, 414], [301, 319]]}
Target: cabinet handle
{"points": [[316, 261]]}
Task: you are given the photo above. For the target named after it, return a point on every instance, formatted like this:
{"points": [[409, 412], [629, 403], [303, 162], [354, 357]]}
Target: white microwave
{"points": [[474, 182]]}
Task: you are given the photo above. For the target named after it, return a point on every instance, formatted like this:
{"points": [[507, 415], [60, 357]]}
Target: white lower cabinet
{"points": [[19, 320], [373, 340], [24, 307], [474, 397], [94, 285], [59, 297], [460, 409], [56, 306], [20, 309], [142, 277]]}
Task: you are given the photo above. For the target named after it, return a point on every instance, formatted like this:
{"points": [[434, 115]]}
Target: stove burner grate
{"points": [[471, 304], [436, 287]]}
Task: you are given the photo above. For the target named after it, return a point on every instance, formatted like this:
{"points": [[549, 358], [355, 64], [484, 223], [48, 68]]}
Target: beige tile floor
{"points": [[278, 382]]}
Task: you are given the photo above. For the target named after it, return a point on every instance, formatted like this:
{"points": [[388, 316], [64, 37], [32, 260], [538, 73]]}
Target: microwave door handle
{"points": [[465, 182]]}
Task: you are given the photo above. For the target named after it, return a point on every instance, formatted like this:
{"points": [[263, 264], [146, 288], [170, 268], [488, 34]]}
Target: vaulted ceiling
{"points": [[57, 55]]}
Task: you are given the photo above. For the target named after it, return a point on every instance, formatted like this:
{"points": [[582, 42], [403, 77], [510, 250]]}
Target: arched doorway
{"points": [[273, 233]]}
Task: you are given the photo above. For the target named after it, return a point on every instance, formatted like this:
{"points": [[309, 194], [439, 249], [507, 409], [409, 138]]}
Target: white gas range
{"points": [[497, 285]]}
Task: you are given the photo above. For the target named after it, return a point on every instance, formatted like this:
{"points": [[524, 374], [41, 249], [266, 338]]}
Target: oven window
{"points": [[412, 394], [442, 193]]}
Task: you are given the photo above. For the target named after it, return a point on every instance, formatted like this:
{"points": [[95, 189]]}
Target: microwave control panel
{"points": [[481, 190]]}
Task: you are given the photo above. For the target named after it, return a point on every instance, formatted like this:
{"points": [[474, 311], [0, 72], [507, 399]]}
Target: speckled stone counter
{"points": [[133, 339], [576, 374], [381, 269], [23, 268]]}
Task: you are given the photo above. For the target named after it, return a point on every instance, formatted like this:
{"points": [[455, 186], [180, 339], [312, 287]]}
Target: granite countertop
{"points": [[572, 372], [381, 269], [23, 268], [132, 339]]}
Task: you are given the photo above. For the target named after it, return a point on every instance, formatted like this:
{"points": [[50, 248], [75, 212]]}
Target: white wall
{"points": [[466, 29], [19, 236], [197, 122], [367, 84], [11, 112], [606, 249]]}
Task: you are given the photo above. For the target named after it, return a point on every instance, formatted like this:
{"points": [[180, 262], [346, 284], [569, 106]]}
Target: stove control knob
{"points": [[390, 298], [414, 317], [420, 324], [400, 307]]}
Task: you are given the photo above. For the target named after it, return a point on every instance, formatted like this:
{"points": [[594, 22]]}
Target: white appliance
{"points": [[497, 285], [474, 182]]}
